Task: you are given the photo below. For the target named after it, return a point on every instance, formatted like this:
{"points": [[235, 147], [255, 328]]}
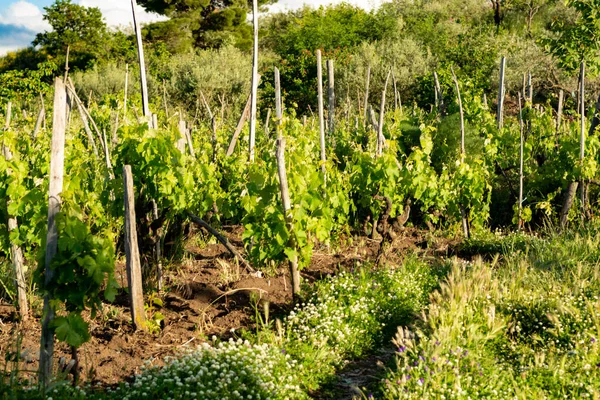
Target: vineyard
{"points": [[370, 248]]}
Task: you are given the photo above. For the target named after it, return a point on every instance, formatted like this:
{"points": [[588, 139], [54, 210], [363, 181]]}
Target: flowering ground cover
{"points": [[523, 325]]}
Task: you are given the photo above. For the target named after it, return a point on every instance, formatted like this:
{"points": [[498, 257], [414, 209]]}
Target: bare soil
{"points": [[206, 294]]}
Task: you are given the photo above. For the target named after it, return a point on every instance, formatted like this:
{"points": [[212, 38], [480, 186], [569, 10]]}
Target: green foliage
{"points": [[576, 39], [348, 315], [339, 26], [79, 28], [27, 84], [526, 329], [318, 209]]}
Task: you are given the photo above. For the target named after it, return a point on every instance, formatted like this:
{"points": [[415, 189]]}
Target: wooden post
{"points": [[16, 254], [438, 94], [19, 266], [8, 115], [255, 78], [462, 117], [267, 121], [38, 122], [559, 111], [331, 93], [86, 127], [132, 254], [278, 102], [400, 103], [395, 91], [140, 47], [289, 219], [57, 159], [463, 211], [321, 118], [182, 136], [125, 94], [278, 106], [366, 102], [164, 87], [67, 63], [501, 92], [380, 137], [520, 204], [71, 88], [572, 188], [582, 131], [239, 127], [213, 125], [190, 143], [529, 88]]}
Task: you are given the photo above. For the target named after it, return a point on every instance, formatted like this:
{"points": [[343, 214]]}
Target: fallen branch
{"points": [[222, 239]]}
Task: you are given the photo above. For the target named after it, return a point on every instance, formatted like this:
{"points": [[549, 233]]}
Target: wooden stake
{"points": [[87, 129], [463, 212], [380, 137], [132, 254], [561, 97], [438, 94], [8, 115], [240, 126], [331, 93], [182, 136], [255, 79], [529, 88], [78, 101], [395, 91], [125, 94], [289, 219], [67, 63], [501, 92], [278, 102], [57, 159], [165, 99], [38, 122], [140, 47], [16, 253], [582, 131], [267, 121], [190, 143], [520, 204], [321, 118], [366, 102], [462, 117]]}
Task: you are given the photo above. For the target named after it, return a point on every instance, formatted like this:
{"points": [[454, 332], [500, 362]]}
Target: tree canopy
{"points": [[201, 23], [81, 29]]}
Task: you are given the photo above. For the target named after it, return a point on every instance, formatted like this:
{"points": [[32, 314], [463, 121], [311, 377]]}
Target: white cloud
{"points": [[118, 12], [288, 5], [26, 15], [7, 49], [21, 20]]}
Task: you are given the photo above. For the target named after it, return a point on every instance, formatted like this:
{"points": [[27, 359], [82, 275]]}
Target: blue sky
{"points": [[20, 20], [39, 3]]}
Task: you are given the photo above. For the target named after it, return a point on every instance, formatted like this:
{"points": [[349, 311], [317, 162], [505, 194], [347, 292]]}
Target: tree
{"points": [[80, 29], [576, 37], [329, 28], [209, 23]]}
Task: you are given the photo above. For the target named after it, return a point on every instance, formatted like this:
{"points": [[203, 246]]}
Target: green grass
{"points": [[524, 325]]}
